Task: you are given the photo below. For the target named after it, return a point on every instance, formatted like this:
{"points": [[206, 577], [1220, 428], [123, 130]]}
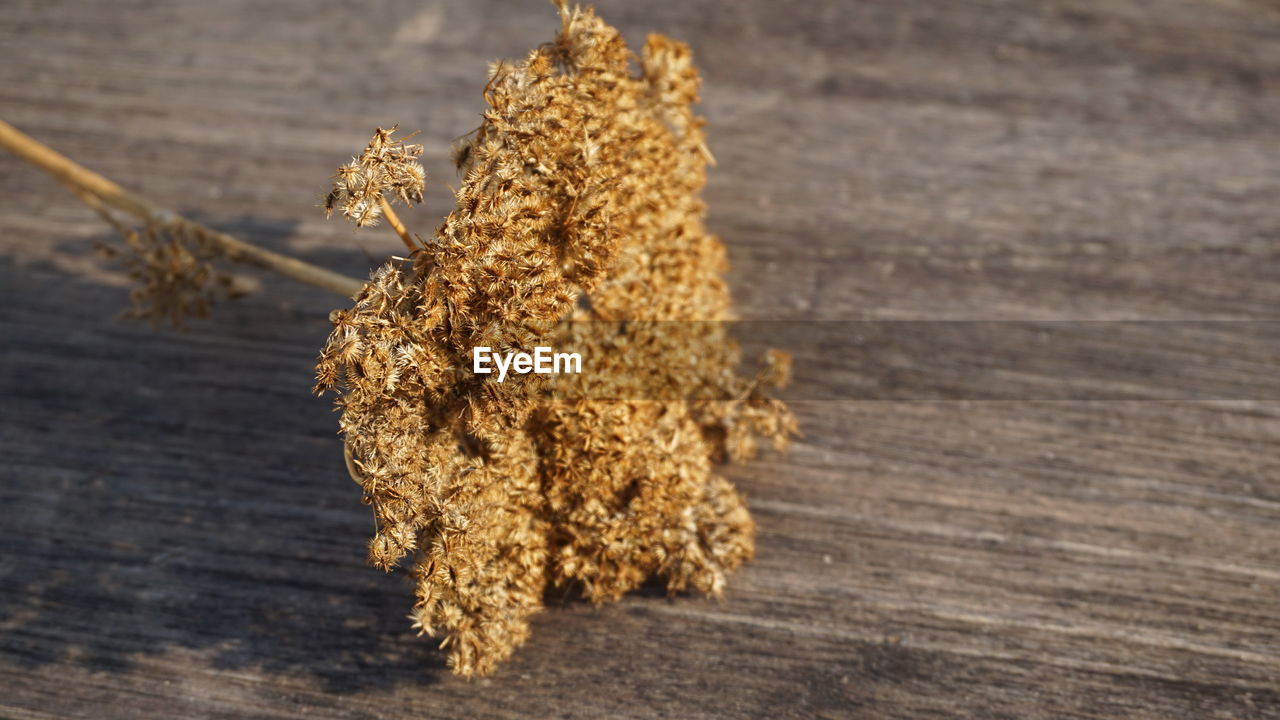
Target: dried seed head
{"points": [[582, 182], [173, 268], [387, 170]]}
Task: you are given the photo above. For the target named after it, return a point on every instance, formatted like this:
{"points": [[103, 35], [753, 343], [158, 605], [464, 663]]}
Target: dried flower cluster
{"points": [[386, 167], [578, 225], [172, 264]]}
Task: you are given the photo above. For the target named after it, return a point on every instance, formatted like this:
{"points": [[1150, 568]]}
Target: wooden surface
{"points": [[178, 537]]}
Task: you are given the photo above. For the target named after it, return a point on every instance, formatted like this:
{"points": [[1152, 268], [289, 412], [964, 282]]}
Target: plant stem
{"points": [[83, 180], [394, 221]]}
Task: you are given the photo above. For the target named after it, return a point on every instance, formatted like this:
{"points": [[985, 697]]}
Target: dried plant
{"points": [[154, 264], [174, 271], [386, 167], [578, 225], [579, 203], [172, 265]]}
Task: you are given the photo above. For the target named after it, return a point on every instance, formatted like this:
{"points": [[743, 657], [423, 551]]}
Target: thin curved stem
{"points": [[394, 221]]}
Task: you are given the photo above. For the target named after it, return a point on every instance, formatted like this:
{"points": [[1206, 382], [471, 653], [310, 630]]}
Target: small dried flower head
{"points": [[173, 267], [388, 169]]}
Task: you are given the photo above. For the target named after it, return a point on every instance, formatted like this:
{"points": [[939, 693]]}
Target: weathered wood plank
{"points": [[178, 537]]}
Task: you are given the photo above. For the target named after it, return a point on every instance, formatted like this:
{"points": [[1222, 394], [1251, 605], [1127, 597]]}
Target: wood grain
{"points": [[178, 537]]}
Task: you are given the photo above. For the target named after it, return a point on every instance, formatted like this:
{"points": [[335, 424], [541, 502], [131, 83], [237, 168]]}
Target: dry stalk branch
{"points": [[82, 180], [394, 221]]}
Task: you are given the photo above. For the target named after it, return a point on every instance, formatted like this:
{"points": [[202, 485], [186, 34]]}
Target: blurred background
{"points": [[178, 536]]}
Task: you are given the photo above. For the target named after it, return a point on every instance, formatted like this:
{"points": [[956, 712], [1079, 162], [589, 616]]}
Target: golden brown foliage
{"points": [[578, 225]]}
